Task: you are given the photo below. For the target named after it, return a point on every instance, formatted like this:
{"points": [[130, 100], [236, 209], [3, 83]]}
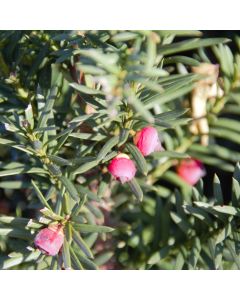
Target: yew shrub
{"points": [[119, 150]]}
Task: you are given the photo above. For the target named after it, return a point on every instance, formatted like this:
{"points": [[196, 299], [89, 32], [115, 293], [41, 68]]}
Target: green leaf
{"points": [[54, 169], [217, 191], [81, 119], [51, 215], [195, 253], [151, 50], [180, 261], [61, 141], [236, 174], [157, 256], [88, 69], [136, 189], [16, 233], [7, 263], [66, 255], [46, 112], [123, 137], [75, 260], [24, 170], [225, 133], [138, 157], [181, 59], [77, 207], [198, 213], [86, 90], [103, 258], [40, 196], [169, 154], [216, 251], [88, 136], [124, 36], [171, 115], [107, 147], [39, 59], [209, 208], [226, 59], [45, 129], [228, 124], [140, 107], [216, 150], [91, 238], [106, 61], [184, 225], [84, 190], [229, 210], [110, 156], [81, 244], [11, 165], [70, 188], [87, 263], [180, 32], [66, 54], [136, 72], [173, 92], [233, 253], [68, 232], [87, 166], [64, 133], [59, 160], [235, 192], [223, 234], [19, 222], [15, 184], [87, 228], [12, 144], [29, 115], [45, 221], [189, 45], [53, 265], [94, 210], [82, 160]]}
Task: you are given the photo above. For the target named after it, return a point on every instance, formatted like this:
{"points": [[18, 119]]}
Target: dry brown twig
{"points": [[204, 90]]}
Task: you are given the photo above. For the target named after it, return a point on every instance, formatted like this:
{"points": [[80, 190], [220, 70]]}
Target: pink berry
{"points": [[147, 141], [191, 170], [50, 240], [122, 168]]}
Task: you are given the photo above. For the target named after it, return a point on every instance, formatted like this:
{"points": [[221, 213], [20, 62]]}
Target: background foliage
{"points": [[69, 101]]}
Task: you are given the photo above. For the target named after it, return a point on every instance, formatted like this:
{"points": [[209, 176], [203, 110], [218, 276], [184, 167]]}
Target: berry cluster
{"points": [[50, 240], [147, 141]]}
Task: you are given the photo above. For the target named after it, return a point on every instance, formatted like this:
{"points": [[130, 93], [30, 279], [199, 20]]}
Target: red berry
{"points": [[191, 170], [122, 168], [50, 240], [147, 141]]}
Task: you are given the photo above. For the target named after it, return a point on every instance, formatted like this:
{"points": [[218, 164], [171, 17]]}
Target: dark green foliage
{"points": [[70, 101]]}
